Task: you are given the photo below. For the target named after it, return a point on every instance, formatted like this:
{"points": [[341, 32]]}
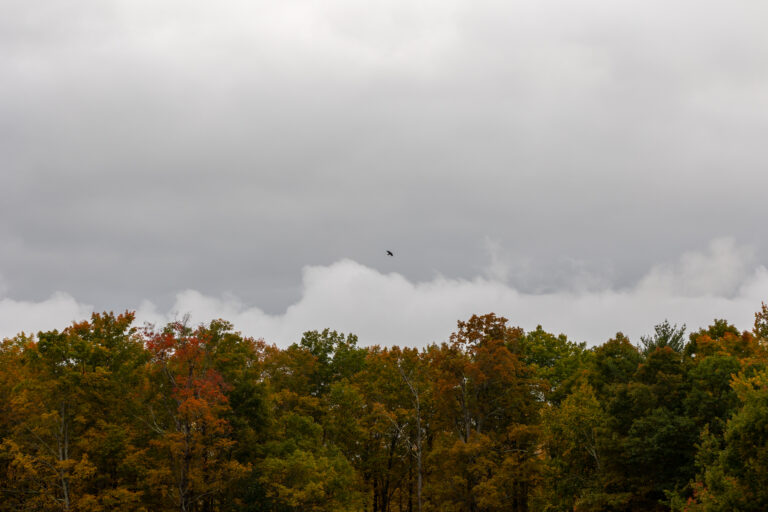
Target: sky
{"points": [[593, 167]]}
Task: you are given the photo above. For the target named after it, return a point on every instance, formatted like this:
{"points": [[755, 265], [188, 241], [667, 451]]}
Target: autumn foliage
{"points": [[106, 415]]}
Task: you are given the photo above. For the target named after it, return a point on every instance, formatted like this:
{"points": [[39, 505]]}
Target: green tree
{"points": [[554, 359], [665, 335], [574, 434], [735, 471], [336, 355]]}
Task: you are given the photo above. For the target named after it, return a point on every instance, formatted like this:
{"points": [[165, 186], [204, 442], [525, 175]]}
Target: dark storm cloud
{"points": [[151, 147]]}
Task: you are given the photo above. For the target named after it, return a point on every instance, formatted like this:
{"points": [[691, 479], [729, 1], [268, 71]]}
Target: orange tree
{"points": [[488, 401], [186, 408]]}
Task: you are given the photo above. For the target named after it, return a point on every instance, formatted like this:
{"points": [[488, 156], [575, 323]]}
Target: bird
{"points": [[390, 253]]}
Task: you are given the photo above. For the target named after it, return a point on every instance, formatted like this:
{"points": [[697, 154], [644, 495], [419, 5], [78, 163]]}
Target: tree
{"points": [[760, 330], [648, 446], [389, 425], [336, 357], [413, 373], [303, 466], [187, 408], [735, 471], [554, 359], [489, 401], [69, 446], [665, 335], [573, 437]]}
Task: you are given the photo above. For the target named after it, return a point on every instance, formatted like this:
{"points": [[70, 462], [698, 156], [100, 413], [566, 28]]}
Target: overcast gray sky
{"points": [[255, 159]]}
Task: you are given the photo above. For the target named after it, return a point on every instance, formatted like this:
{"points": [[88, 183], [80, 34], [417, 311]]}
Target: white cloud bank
{"points": [[56, 312], [720, 282]]}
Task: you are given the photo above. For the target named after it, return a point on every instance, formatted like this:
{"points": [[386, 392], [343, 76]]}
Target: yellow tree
{"points": [[66, 411], [392, 420], [488, 402]]}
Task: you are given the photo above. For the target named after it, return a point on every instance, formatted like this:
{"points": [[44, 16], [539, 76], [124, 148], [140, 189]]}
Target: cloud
{"points": [[56, 312], [719, 272], [590, 139], [386, 308]]}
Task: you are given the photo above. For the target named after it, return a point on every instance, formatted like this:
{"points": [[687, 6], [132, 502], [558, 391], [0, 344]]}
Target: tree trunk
{"points": [[63, 442]]}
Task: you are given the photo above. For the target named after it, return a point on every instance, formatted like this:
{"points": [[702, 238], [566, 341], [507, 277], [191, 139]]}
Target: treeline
{"points": [[104, 415]]}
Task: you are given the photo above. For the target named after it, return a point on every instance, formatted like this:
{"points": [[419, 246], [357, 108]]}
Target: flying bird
{"points": [[390, 253]]}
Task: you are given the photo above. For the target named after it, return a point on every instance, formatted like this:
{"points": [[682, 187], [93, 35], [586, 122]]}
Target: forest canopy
{"points": [[108, 415]]}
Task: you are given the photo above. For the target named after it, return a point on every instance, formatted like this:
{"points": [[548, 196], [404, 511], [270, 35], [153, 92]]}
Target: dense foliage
{"points": [[105, 415]]}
